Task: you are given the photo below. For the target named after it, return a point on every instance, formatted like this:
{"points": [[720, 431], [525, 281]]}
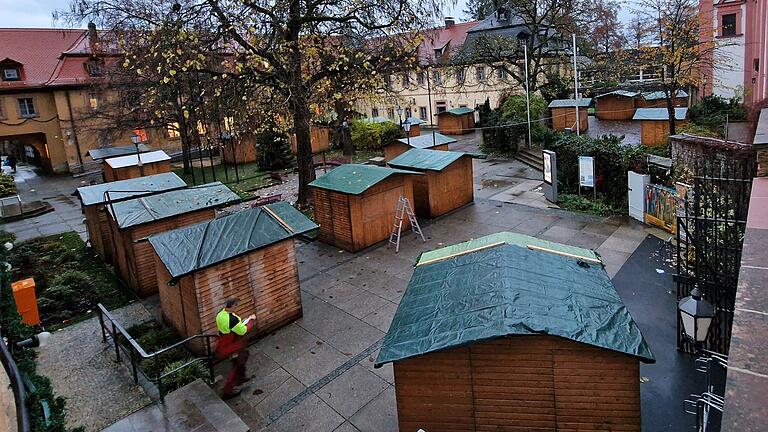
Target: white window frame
{"points": [[31, 104]]}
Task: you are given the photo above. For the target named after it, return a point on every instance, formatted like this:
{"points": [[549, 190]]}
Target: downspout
{"points": [[74, 132]]}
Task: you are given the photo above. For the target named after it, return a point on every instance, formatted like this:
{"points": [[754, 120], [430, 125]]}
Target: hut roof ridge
{"points": [[355, 178], [125, 189], [426, 141], [423, 159]]}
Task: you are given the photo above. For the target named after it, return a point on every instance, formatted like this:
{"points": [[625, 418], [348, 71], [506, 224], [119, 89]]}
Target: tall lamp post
{"points": [[405, 125], [136, 140], [696, 315]]}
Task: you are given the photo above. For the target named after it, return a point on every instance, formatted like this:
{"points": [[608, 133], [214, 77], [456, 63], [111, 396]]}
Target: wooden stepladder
{"points": [[403, 209]]}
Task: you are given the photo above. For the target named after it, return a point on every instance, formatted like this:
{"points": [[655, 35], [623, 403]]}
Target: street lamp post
{"points": [[696, 315], [136, 140]]}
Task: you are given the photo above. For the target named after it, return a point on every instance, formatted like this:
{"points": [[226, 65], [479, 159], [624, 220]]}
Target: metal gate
{"points": [[710, 235]]}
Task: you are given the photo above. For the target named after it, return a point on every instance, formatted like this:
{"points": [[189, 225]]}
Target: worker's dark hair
{"points": [[231, 302]]}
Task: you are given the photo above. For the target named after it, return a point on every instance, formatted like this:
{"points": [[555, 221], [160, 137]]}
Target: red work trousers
{"points": [[233, 346]]}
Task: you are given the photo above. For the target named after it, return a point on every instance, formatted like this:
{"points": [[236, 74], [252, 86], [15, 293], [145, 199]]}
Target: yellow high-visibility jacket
{"points": [[228, 322]]}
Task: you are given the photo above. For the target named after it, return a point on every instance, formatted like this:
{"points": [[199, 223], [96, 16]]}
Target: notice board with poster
{"points": [[587, 171]]}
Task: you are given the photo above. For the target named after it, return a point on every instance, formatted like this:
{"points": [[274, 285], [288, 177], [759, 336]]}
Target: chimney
{"points": [[450, 21], [93, 38]]}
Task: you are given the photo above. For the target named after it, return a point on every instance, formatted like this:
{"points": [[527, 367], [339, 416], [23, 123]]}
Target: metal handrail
{"points": [[136, 349], [23, 421]]}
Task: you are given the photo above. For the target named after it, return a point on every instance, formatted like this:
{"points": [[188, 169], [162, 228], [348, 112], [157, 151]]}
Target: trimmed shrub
{"points": [[511, 124], [373, 136], [7, 186], [184, 376], [273, 148]]}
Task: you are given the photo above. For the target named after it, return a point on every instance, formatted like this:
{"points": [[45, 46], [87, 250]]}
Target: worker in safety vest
{"points": [[231, 343]]}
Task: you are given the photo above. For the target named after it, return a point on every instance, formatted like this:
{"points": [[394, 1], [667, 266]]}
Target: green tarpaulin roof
{"points": [[414, 121], [656, 95], [457, 111], [425, 141], [108, 152], [510, 290], [189, 249], [422, 159], [570, 103], [124, 189], [155, 207], [355, 178], [659, 114]]}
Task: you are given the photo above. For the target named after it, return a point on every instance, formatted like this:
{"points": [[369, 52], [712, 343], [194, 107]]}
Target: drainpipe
{"points": [[74, 132]]}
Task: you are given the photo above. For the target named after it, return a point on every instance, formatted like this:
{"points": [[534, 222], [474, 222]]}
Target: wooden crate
{"points": [[526, 383], [354, 222], [265, 281], [134, 255]]}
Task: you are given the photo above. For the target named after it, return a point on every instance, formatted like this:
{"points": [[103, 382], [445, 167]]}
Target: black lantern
{"points": [[696, 314], [136, 140]]}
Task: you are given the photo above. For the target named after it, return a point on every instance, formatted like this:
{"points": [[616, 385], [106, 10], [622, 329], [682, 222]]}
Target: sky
{"points": [[37, 13]]}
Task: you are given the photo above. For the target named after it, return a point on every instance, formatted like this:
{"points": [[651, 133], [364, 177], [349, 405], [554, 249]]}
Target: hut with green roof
{"points": [[355, 204], [510, 332], [456, 121], [446, 183], [431, 141], [94, 198], [654, 124], [616, 105], [658, 99], [563, 113], [133, 221], [249, 255]]}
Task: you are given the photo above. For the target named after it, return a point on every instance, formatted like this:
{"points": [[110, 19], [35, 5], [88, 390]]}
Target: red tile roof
{"points": [[453, 36], [40, 53]]}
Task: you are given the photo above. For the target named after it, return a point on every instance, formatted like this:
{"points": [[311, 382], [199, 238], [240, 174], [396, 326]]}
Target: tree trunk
{"points": [[346, 141], [671, 113]]}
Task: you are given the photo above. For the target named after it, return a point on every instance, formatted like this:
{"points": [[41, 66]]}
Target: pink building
{"points": [[739, 30]]}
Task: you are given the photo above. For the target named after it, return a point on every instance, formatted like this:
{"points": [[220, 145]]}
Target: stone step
{"points": [[531, 157], [194, 407]]}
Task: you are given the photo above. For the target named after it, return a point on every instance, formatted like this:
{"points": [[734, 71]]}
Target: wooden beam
{"points": [[570, 255], [468, 251]]}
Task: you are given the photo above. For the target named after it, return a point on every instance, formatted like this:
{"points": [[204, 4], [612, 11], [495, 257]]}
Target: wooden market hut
{"points": [[563, 113], [128, 167], [94, 198], [240, 151], [319, 139], [456, 121], [133, 221], [249, 255], [658, 99], [446, 184], [528, 335], [616, 105], [654, 124], [431, 141], [355, 204], [415, 129]]}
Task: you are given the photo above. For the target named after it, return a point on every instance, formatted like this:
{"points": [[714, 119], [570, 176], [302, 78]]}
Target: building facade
{"points": [[738, 30], [48, 99]]}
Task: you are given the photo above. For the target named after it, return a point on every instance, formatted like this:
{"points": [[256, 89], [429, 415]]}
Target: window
{"points": [[441, 107], [406, 79], [10, 74], [390, 113], [480, 73], [408, 113], [173, 130], [420, 78], [93, 101], [436, 77], [756, 63], [375, 112], [729, 25], [463, 106], [460, 76], [501, 73], [27, 107], [422, 112]]}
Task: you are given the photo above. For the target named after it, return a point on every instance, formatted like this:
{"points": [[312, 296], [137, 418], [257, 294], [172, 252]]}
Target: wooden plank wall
{"points": [[450, 188], [93, 226], [265, 282], [244, 150], [319, 139], [656, 132], [394, 149], [456, 125], [661, 103], [136, 256], [332, 214], [563, 118], [524, 383], [615, 108], [372, 213]]}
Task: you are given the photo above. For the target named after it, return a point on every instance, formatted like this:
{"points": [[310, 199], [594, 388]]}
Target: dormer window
{"points": [[95, 68], [11, 74]]}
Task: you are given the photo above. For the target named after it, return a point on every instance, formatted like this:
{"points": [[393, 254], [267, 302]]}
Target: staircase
{"points": [[531, 157]]}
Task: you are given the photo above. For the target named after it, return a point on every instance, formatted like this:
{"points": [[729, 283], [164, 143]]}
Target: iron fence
{"points": [[136, 354]]}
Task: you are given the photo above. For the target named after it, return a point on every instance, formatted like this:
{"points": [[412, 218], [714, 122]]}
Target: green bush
{"points": [[587, 205], [7, 186], [511, 123], [273, 148], [694, 129], [373, 136], [184, 376], [711, 113]]}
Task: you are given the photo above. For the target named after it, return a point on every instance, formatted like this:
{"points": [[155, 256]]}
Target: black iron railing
{"points": [[17, 384], [131, 349]]}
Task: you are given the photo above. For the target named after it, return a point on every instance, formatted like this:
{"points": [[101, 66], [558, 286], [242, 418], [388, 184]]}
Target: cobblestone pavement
{"points": [[83, 370]]}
